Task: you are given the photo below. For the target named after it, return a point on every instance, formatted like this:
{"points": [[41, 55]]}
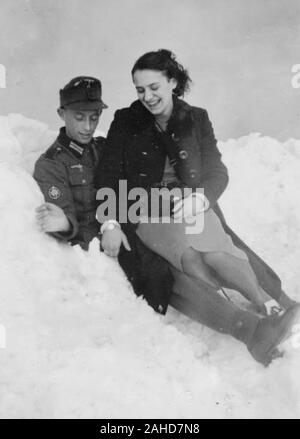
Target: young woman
{"points": [[161, 141]]}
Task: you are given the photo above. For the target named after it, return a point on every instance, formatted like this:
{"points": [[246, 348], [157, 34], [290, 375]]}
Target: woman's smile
{"points": [[153, 105]]}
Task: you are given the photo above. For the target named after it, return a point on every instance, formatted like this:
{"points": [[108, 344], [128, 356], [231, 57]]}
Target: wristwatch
{"points": [[110, 226]]}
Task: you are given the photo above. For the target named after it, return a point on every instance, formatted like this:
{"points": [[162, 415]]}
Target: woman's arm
{"points": [[214, 175]]}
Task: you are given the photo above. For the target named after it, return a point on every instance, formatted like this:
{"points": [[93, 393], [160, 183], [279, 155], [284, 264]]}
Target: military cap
{"points": [[82, 93]]}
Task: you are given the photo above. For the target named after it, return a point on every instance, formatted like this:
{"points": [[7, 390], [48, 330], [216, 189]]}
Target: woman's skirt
{"points": [[171, 240]]}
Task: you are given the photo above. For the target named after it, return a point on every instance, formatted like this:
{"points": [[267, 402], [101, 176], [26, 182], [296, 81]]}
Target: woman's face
{"points": [[155, 91]]}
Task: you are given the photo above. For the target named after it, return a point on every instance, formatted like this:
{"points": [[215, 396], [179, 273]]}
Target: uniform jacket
{"points": [[136, 152], [65, 174]]}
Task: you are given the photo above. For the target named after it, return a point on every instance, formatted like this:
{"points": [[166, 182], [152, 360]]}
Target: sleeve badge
{"points": [[54, 193]]}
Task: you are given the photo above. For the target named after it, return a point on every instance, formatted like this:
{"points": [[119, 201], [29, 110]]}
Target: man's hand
{"points": [[51, 218], [112, 241]]}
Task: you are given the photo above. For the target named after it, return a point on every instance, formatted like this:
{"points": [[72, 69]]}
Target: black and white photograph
{"points": [[149, 212]]}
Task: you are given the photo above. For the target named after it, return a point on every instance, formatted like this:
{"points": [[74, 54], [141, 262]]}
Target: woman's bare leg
{"points": [[239, 274], [193, 264], [222, 269]]}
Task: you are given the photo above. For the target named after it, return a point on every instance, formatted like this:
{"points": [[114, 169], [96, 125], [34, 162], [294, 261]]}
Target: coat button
{"points": [[193, 173], [174, 137], [144, 153], [183, 154], [83, 181]]}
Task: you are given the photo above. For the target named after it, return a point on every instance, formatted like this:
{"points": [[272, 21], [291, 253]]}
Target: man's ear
{"points": [[61, 113]]}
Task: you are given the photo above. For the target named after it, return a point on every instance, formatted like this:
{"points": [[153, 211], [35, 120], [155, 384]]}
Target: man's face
{"points": [[80, 124]]}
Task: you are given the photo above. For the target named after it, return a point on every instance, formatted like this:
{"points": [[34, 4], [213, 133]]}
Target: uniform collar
{"points": [[75, 147]]}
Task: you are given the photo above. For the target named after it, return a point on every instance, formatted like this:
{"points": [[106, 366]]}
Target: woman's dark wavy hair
{"points": [[165, 61]]}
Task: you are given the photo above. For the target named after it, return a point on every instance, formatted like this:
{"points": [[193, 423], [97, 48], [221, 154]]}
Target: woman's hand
{"points": [[112, 240], [190, 206], [51, 218]]}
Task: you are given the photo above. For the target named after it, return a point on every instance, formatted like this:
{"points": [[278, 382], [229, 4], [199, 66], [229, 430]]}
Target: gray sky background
{"points": [[239, 54]]}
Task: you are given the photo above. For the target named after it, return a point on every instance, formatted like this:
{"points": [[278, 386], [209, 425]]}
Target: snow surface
{"points": [[80, 344]]}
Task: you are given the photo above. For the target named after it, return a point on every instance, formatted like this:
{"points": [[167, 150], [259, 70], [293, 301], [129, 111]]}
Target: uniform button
{"points": [[174, 137], [183, 154], [144, 153], [83, 181], [193, 173]]}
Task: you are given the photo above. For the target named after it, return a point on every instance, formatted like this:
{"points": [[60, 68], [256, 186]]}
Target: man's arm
{"points": [[52, 179]]}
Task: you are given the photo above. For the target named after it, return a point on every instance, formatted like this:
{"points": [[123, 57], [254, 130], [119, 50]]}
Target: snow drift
{"points": [[78, 341]]}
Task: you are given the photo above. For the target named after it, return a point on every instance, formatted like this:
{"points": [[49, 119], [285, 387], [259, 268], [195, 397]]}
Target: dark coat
{"points": [[136, 152]]}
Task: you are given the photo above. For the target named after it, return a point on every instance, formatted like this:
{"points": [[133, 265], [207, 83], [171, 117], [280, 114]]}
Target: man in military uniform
{"points": [[65, 172]]}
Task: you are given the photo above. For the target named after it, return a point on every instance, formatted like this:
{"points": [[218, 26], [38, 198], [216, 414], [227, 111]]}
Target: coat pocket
{"points": [[79, 177]]}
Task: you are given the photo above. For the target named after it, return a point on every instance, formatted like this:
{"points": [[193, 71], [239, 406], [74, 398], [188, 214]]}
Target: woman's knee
{"points": [[212, 258], [190, 260]]}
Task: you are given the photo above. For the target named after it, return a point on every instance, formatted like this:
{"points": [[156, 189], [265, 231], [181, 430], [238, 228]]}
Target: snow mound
{"points": [[80, 344], [261, 202]]}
